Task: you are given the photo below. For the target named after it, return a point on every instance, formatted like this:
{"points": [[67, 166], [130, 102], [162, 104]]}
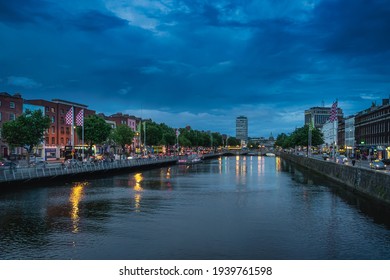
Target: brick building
{"points": [[130, 121], [372, 130], [60, 134], [11, 106]]}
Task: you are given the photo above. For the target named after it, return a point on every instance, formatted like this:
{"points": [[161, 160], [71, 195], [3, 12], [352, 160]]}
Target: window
{"points": [[67, 130], [62, 111], [53, 110], [62, 140], [53, 140], [53, 129], [62, 121], [1, 117], [12, 105], [62, 130], [47, 109], [0, 103], [11, 116], [53, 119]]}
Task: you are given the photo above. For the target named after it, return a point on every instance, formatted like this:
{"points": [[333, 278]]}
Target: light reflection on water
{"points": [[228, 208], [75, 197]]}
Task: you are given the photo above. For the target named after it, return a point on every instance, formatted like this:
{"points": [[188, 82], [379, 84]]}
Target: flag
{"points": [[69, 116], [177, 132], [333, 112], [311, 124], [80, 118]]}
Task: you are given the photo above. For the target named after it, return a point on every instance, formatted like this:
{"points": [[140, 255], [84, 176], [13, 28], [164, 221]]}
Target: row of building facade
{"points": [[60, 135], [365, 133]]}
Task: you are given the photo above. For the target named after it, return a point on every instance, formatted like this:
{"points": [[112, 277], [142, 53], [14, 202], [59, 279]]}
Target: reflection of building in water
{"points": [[278, 164], [260, 166], [77, 193], [241, 169], [138, 189]]}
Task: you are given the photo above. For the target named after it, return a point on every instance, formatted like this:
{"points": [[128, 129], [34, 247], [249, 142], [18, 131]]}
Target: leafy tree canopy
{"points": [[123, 135], [27, 130], [96, 130]]}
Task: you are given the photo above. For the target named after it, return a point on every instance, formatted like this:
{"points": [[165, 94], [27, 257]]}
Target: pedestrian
{"points": [[353, 162]]}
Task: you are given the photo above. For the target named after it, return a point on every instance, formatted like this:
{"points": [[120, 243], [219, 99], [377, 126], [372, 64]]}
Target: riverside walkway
{"points": [[48, 172], [58, 171]]}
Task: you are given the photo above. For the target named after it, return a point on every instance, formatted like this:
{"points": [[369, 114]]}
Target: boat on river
{"points": [[189, 159], [270, 154]]}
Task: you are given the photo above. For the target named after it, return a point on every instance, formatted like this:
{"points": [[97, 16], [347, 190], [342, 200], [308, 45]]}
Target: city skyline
{"points": [[189, 62]]}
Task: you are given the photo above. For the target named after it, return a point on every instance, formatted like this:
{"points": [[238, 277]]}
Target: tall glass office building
{"points": [[242, 128]]}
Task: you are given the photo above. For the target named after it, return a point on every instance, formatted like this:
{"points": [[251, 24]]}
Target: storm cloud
{"points": [[187, 62]]}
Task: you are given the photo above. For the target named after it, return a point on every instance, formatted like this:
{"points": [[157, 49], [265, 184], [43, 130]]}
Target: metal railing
{"points": [[53, 170]]}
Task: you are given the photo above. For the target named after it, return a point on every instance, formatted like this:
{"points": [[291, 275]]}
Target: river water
{"points": [[226, 208]]}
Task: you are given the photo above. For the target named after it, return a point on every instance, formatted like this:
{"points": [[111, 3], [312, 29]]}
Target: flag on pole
{"points": [[311, 123], [69, 116], [80, 118], [177, 132], [333, 113]]}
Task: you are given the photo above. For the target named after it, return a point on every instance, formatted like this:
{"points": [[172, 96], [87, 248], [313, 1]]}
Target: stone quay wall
{"points": [[370, 183]]}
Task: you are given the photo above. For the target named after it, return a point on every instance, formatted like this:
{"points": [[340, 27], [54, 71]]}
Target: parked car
{"points": [[325, 156], [34, 159], [377, 164], [40, 164], [386, 161], [7, 164], [343, 158], [72, 163]]}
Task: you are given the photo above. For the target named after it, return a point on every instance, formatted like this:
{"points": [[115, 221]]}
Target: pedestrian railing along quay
{"points": [[55, 170]]}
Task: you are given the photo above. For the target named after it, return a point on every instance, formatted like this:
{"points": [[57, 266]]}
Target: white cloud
{"points": [[262, 119], [151, 70], [369, 96], [22, 82], [135, 12], [221, 67], [125, 91]]}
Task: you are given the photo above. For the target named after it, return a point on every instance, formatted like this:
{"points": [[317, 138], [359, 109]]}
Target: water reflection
{"points": [[138, 178], [76, 195], [219, 209]]}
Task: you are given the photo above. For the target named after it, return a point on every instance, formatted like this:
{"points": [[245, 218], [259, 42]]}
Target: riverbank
{"points": [[369, 183], [56, 172]]}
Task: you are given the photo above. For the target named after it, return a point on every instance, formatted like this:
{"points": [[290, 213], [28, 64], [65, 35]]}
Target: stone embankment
{"points": [[57, 172], [370, 183]]}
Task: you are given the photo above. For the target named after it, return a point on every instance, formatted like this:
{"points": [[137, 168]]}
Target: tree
{"points": [[233, 141], [27, 130], [96, 130], [123, 135], [282, 141], [217, 139], [299, 138]]}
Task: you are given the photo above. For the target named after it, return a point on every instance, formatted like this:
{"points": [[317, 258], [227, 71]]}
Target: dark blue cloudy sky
{"points": [[197, 62]]}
